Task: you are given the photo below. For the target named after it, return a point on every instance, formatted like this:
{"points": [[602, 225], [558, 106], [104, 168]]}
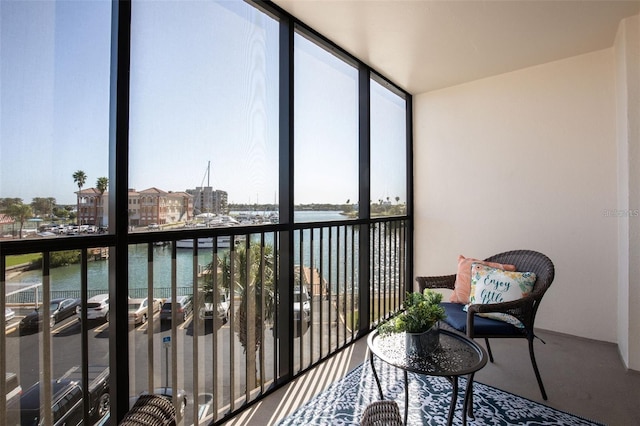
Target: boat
{"points": [[208, 219], [224, 241]]}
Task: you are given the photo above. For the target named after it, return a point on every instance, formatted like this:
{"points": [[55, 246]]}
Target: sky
{"points": [[204, 89], [54, 108]]}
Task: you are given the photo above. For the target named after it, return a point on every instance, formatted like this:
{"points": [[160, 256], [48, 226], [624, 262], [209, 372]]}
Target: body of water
{"points": [[68, 277]]}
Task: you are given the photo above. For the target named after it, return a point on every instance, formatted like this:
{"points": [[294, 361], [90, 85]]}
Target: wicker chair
{"points": [[381, 413], [150, 410], [523, 309]]}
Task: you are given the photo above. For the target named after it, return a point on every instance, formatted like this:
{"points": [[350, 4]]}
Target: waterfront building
{"points": [[89, 210], [150, 206], [179, 206], [153, 206], [209, 200]]}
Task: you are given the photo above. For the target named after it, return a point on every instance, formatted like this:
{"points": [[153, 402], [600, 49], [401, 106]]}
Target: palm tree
{"points": [[19, 212], [79, 177], [251, 283], [101, 184]]}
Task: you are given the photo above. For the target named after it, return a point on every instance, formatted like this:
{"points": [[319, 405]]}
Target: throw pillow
{"points": [[493, 285], [462, 289]]}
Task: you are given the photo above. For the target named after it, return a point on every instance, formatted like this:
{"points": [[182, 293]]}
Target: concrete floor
{"points": [[581, 376]]}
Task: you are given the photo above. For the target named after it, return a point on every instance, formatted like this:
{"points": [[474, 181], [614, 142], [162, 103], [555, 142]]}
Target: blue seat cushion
{"points": [[457, 318]]}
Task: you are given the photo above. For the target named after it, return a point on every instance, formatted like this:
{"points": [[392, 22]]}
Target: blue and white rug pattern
{"points": [[429, 398]]}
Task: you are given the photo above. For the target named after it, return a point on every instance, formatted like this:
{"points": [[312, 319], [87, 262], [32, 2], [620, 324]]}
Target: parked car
{"points": [[138, 310], [67, 399], [60, 309], [301, 311], [207, 311], [13, 386], [14, 390], [9, 314], [183, 306], [97, 308], [301, 306]]}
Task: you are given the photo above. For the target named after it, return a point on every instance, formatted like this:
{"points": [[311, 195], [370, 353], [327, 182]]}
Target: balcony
{"points": [[314, 330]]}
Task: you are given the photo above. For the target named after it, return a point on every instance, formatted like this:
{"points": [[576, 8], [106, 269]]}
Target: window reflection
{"points": [[204, 112], [325, 130], [55, 117], [388, 152]]}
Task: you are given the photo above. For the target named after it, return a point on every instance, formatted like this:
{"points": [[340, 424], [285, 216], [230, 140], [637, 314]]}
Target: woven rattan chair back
{"points": [[150, 410], [381, 413]]}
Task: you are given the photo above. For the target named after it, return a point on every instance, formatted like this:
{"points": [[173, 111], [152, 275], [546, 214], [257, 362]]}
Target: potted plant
{"points": [[419, 322]]}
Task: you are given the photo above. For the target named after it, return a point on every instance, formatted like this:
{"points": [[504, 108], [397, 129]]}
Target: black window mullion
{"points": [[118, 207], [285, 272], [364, 197]]}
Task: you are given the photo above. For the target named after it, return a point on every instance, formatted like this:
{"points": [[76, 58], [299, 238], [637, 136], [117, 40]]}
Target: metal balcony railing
{"points": [[259, 305]]}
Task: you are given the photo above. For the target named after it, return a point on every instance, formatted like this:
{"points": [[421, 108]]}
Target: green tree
{"points": [[79, 177], [43, 206], [348, 208], [61, 212], [20, 213], [65, 257], [5, 203], [101, 185]]}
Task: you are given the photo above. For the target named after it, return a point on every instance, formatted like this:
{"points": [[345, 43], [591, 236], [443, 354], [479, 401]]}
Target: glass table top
{"points": [[455, 355]]}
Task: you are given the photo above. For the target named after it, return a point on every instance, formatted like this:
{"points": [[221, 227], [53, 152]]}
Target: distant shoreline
{"points": [[14, 271]]}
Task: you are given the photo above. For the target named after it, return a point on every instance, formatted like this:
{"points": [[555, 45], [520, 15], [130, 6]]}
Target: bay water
{"points": [[68, 277]]}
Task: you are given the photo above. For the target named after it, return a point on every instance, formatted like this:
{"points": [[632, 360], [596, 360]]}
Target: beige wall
{"points": [[526, 160], [627, 59]]}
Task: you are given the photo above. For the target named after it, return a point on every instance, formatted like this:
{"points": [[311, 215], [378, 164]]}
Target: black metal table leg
{"points": [[373, 367], [454, 399], [467, 409], [406, 396]]}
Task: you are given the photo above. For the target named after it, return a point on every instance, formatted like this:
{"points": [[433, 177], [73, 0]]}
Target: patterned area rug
{"points": [[429, 398]]}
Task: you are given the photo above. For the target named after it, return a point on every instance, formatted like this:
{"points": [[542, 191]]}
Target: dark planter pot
{"points": [[422, 344]]}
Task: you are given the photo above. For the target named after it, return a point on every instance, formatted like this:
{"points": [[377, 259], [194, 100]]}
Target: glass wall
{"points": [[218, 311], [325, 131], [203, 139], [388, 151], [54, 104], [204, 113], [54, 127]]}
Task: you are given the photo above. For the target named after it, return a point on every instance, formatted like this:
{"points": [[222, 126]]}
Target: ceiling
{"points": [[424, 45]]}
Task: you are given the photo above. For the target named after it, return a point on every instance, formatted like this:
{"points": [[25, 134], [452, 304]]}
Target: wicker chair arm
{"points": [[523, 309], [504, 307], [443, 281]]}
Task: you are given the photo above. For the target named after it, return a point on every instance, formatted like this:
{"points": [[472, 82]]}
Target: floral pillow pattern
{"points": [[492, 285], [462, 288]]}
